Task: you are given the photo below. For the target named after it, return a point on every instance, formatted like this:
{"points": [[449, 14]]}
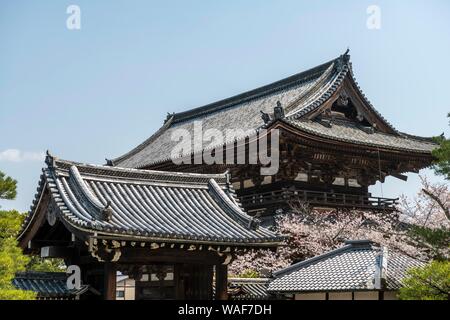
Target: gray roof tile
{"points": [[299, 95], [46, 284], [348, 132], [249, 288], [240, 112], [350, 268], [151, 205]]}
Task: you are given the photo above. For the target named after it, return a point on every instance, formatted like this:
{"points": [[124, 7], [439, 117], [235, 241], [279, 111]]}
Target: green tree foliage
{"points": [[248, 273], [428, 218], [431, 282], [14, 294], [12, 259], [442, 155], [436, 240], [7, 187], [45, 265]]}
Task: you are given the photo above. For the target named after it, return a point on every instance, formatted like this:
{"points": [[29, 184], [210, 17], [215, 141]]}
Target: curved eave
{"points": [[253, 94], [326, 138], [367, 102], [67, 212], [329, 88], [318, 99], [31, 217], [224, 104]]}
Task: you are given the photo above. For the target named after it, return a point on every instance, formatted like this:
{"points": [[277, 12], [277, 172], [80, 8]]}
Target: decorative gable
{"points": [[348, 105]]}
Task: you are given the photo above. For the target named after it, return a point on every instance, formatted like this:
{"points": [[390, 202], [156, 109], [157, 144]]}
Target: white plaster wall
{"points": [[310, 296], [340, 296]]}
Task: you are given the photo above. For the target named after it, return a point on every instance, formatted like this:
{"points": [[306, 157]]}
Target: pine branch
{"points": [[439, 202]]}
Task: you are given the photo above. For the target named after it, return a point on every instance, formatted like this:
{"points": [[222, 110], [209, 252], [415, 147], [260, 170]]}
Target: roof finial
{"points": [[109, 162], [342, 60], [278, 111], [49, 159], [169, 116], [265, 116]]}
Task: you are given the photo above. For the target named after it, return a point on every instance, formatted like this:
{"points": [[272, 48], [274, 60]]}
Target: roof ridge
{"points": [[248, 280], [102, 170], [77, 181], [311, 260], [342, 67], [39, 274], [349, 244], [146, 142], [175, 118], [74, 208], [284, 83], [310, 92], [246, 220]]}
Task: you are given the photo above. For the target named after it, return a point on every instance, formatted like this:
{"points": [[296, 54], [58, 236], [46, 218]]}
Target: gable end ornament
{"points": [[168, 116], [342, 61], [343, 99], [265, 117], [51, 213], [50, 159]]}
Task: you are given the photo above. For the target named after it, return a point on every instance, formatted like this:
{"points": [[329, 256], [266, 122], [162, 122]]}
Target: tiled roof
{"points": [[239, 112], [148, 205], [248, 288], [299, 95], [46, 284], [350, 268], [348, 132]]}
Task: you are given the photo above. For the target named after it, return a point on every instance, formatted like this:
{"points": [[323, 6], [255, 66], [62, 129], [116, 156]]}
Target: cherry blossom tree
{"points": [[428, 215], [310, 232]]}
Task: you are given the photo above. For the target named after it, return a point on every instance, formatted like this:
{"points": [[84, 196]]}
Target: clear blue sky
{"points": [[99, 91]]}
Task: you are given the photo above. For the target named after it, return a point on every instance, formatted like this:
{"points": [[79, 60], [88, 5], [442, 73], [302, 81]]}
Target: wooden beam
{"points": [[56, 252], [33, 245], [109, 280], [147, 255], [36, 222], [400, 176], [179, 282], [221, 282]]}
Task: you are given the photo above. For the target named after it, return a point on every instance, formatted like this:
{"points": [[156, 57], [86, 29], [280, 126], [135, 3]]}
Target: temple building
{"points": [[173, 226], [171, 232], [360, 270], [49, 285], [333, 144]]}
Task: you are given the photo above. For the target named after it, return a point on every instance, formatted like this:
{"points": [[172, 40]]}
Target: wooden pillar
{"points": [[179, 282], [221, 282], [109, 287]]}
